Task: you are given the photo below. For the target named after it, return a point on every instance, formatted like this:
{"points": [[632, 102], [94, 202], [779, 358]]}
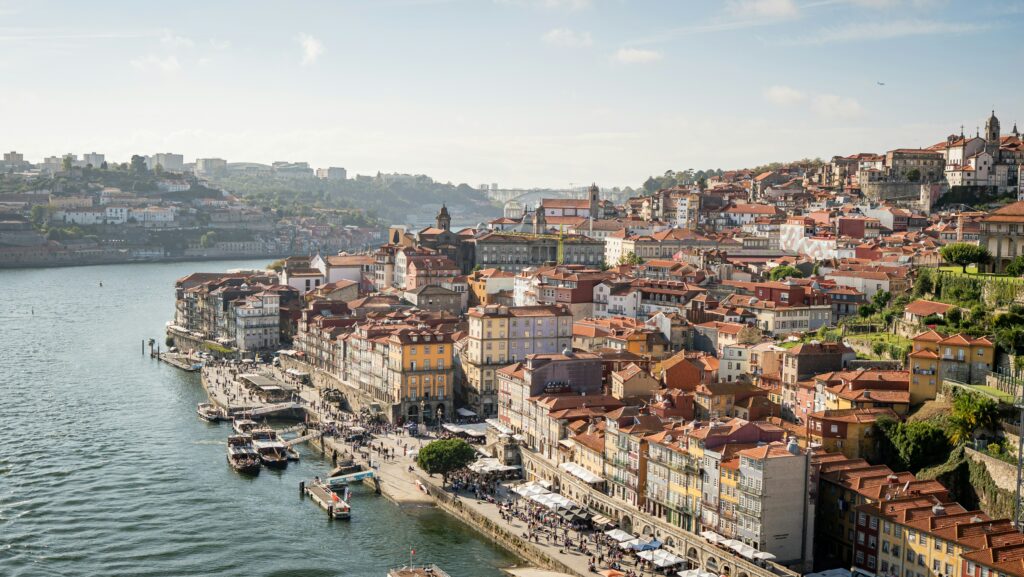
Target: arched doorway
{"points": [[742, 575], [626, 524], [414, 414], [726, 570], [711, 564], [648, 531]]}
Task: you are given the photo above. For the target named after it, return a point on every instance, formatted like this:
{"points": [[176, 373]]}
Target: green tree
{"points": [[971, 413], [630, 259], [208, 239], [784, 272], [925, 282], [66, 163], [916, 444], [445, 457], [39, 216], [964, 253], [138, 164], [913, 175], [277, 265], [1016, 266]]}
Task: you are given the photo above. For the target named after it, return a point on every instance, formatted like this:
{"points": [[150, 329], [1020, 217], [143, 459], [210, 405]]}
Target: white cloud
{"points": [[566, 4], [888, 30], [165, 64], [176, 41], [312, 49], [783, 95], [773, 9], [567, 37], [636, 56], [833, 106], [220, 44]]}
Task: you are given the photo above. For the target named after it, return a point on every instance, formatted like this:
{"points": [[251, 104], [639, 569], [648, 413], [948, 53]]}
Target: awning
{"points": [[601, 520], [695, 573], [581, 473], [464, 412], [529, 489], [661, 558], [490, 465], [472, 429], [620, 535], [712, 536], [499, 426]]}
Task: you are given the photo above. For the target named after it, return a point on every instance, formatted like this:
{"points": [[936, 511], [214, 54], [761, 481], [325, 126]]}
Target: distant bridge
{"points": [[525, 195]]}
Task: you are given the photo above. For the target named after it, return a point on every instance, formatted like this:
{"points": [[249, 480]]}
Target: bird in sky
{"points": [[880, 83]]}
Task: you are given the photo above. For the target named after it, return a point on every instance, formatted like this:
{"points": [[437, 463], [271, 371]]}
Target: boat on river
{"points": [[430, 570], [243, 426], [210, 412], [272, 450], [242, 456]]}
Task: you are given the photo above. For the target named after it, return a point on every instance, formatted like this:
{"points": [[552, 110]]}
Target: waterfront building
{"points": [[419, 378], [499, 335], [257, 322], [543, 374]]}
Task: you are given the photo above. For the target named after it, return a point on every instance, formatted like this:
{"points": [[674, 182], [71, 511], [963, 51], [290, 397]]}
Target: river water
{"points": [[105, 468]]}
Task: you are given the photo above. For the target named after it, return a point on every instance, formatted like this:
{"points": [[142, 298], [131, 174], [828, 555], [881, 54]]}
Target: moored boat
{"points": [[272, 450], [242, 455], [243, 426], [210, 412], [410, 570]]}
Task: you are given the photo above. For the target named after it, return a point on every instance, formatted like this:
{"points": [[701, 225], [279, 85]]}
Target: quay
{"points": [[179, 360], [401, 481]]}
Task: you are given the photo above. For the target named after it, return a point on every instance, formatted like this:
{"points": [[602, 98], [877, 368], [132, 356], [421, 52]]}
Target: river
{"points": [[106, 470]]}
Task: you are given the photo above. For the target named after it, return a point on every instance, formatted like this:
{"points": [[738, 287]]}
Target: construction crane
{"points": [[560, 255]]}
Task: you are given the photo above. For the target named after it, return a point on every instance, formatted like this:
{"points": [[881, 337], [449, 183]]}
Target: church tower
{"points": [[540, 224], [992, 134], [444, 220], [595, 201]]}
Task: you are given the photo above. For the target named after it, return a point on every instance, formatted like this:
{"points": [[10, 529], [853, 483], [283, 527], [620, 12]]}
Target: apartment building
{"points": [[499, 335]]}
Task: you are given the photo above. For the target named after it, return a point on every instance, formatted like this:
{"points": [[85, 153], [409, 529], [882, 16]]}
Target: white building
{"points": [[116, 214], [210, 166], [169, 162], [257, 322], [616, 299], [774, 513], [94, 158], [735, 361]]}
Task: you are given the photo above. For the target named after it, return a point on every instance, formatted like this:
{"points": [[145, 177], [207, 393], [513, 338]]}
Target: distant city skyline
{"points": [[520, 92]]}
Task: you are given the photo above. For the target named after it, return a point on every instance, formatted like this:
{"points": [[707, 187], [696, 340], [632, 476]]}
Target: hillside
{"points": [[393, 201]]}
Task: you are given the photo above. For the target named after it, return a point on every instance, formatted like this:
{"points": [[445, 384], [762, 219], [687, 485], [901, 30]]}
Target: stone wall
{"points": [[497, 533]]}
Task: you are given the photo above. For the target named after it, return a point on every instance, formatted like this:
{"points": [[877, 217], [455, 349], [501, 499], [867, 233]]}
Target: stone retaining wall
{"points": [[501, 535]]}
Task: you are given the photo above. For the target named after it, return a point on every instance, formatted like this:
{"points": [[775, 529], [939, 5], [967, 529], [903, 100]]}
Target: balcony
{"points": [[924, 371]]}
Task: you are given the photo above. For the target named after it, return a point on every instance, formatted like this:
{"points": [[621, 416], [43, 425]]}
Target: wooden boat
{"points": [[243, 426], [242, 456], [210, 412], [272, 450], [322, 495]]}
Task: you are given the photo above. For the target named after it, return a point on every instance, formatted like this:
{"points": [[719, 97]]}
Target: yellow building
{"points": [[420, 370], [957, 358]]}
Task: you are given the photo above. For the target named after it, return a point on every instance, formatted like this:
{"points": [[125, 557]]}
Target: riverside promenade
{"points": [[402, 482]]}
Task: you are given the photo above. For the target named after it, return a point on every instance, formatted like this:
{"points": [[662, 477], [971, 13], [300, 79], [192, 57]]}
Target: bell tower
{"points": [[595, 201], [444, 220], [992, 133]]}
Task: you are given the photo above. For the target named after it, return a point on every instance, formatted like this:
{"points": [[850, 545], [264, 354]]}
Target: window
{"points": [[874, 522], [920, 559], [885, 546]]}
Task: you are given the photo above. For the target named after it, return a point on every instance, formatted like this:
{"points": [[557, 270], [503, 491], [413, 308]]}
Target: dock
{"points": [[328, 500], [180, 361]]}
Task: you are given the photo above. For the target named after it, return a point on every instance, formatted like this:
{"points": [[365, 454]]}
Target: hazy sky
{"points": [[518, 92]]}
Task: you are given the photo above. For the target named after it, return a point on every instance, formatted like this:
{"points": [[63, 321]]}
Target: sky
{"points": [[522, 93]]}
